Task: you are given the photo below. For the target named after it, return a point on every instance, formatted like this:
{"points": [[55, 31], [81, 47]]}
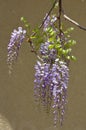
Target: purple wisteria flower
{"points": [[16, 40], [48, 55], [51, 75], [60, 78], [51, 86], [42, 83], [49, 21], [46, 23]]}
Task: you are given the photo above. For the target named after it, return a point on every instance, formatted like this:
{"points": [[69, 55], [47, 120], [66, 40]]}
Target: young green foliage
{"points": [[64, 45], [38, 38]]}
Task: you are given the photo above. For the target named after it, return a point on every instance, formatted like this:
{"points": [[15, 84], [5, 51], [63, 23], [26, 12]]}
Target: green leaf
{"points": [[57, 46], [50, 31], [68, 57], [64, 52], [70, 43], [68, 30], [60, 51], [51, 39], [26, 24], [73, 58], [22, 19], [51, 46], [38, 38], [33, 37], [56, 5], [58, 41], [68, 50]]}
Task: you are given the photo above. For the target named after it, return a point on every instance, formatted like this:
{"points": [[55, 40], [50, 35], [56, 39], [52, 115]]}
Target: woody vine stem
{"points": [[59, 16]]}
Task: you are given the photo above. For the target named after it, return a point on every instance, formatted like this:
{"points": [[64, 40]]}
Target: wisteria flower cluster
{"points": [[51, 86], [51, 76], [52, 46], [16, 40]]}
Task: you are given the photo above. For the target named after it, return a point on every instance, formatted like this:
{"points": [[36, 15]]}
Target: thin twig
{"points": [[48, 13], [59, 15], [34, 51], [73, 21], [40, 26]]}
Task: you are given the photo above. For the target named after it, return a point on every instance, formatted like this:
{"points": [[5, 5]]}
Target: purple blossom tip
{"points": [[17, 37], [51, 86], [49, 21]]}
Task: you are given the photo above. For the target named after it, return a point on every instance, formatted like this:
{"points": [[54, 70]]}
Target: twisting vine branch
{"points": [[59, 15], [67, 18], [73, 21]]}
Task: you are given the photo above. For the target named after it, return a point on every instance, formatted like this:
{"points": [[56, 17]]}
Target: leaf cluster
{"points": [[62, 43], [63, 46], [37, 39]]}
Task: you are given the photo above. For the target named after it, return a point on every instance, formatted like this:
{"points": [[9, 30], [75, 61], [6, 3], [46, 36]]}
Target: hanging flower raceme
{"points": [[51, 86], [16, 40], [60, 78], [52, 72]]}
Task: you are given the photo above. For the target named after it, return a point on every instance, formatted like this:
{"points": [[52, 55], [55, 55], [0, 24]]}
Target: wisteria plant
{"points": [[52, 45]]}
